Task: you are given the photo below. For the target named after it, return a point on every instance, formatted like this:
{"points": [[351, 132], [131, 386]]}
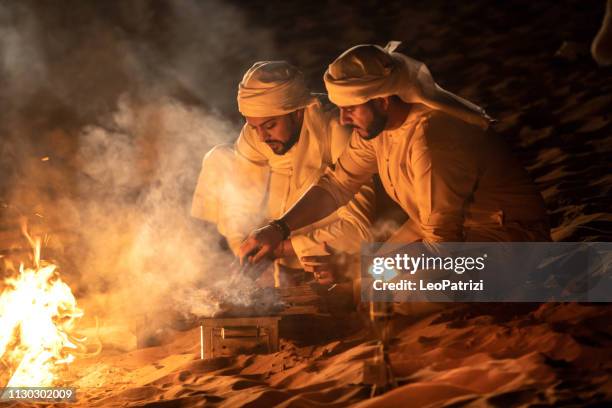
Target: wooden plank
{"points": [[244, 331], [302, 299], [297, 310], [240, 321]]}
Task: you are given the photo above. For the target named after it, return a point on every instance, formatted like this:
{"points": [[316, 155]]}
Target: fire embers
{"points": [[37, 314]]}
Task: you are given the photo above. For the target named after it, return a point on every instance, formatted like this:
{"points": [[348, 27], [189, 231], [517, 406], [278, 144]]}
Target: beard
{"points": [[375, 127], [373, 130], [280, 148]]}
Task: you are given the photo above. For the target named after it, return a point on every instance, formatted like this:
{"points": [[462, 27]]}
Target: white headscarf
{"points": [[272, 88], [366, 72]]}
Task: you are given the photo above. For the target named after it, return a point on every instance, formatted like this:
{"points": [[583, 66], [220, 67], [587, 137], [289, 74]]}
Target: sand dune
{"points": [[483, 355], [556, 114]]}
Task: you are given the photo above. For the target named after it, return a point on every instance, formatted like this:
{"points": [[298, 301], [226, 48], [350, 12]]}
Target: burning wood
{"points": [[302, 299], [240, 296], [37, 314]]}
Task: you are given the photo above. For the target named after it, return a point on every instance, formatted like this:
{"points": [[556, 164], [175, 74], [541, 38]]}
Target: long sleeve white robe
{"points": [[455, 181], [275, 182]]}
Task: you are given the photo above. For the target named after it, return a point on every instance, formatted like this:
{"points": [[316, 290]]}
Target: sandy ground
{"points": [[557, 116], [463, 355]]}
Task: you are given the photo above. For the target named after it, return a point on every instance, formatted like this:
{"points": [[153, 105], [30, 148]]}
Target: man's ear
{"points": [[299, 115], [383, 103]]}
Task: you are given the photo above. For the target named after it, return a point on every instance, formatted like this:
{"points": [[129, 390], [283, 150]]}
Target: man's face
{"points": [[280, 133], [367, 119]]}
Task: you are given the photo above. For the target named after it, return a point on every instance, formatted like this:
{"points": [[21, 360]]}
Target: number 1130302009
{"points": [[38, 394]]}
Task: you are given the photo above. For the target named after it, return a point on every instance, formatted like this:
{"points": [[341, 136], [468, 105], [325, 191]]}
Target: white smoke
{"points": [[125, 100]]}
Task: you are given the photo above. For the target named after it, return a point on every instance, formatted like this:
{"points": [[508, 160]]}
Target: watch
{"points": [[282, 227]]}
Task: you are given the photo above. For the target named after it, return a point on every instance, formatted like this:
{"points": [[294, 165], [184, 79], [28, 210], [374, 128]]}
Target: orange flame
{"points": [[37, 313]]}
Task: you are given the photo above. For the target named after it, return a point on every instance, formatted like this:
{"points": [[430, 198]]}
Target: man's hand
{"points": [[325, 268], [260, 243], [284, 250], [322, 267]]}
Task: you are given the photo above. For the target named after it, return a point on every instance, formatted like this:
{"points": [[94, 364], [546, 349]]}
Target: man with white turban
{"points": [[454, 180], [287, 143], [601, 47]]}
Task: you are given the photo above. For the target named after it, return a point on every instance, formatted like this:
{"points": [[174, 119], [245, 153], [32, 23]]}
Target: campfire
{"points": [[38, 312]]}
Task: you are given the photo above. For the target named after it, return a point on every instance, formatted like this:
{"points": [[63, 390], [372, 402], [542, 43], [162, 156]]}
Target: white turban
{"points": [[366, 72], [272, 88]]}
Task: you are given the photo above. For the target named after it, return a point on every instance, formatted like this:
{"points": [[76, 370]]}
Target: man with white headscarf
{"points": [[288, 142], [454, 180], [601, 47]]}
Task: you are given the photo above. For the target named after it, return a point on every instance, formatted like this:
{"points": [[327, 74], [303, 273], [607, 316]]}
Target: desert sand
{"points": [[555, 112], [459, 355]]}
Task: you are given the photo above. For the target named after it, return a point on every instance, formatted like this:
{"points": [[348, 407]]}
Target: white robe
{"points": [[455, 181], [275, 182]]}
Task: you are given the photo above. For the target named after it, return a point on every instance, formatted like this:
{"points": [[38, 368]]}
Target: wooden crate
{"points": [[240, 335]]}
